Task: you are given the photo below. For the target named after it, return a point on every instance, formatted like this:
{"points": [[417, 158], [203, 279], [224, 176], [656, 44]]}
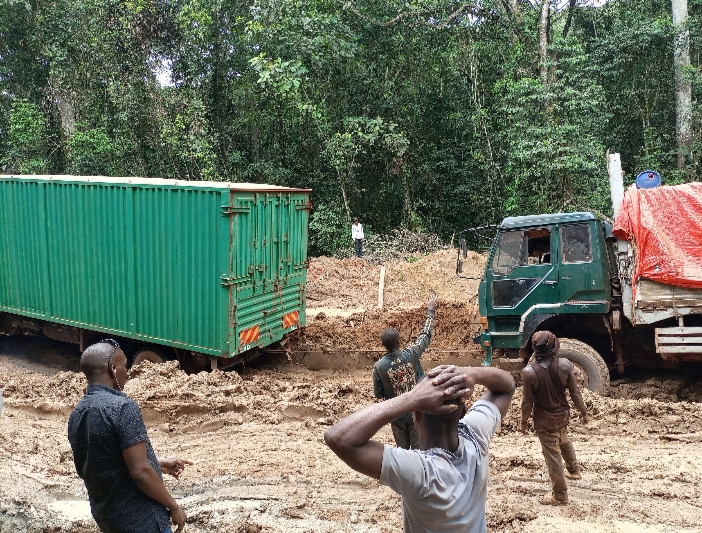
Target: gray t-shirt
{"points": [[444, 492]]}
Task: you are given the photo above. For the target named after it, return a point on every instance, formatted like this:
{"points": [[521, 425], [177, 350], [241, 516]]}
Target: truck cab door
{"points": [[582, 275], [521, 274]]}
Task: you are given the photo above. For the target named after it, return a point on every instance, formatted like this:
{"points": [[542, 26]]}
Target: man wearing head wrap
{"points": [[113, 453], [544, 383], [398, 371]]}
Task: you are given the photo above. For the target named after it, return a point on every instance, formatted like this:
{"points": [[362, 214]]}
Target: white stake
{"points": [[381, 287]]}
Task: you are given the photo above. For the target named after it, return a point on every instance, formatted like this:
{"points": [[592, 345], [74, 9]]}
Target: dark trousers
{"points": [[557, 448], [359, 247], [405, 434]]}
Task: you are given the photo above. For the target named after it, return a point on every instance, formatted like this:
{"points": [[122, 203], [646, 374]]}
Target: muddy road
{"points": [[256, 436], [261, 464]]}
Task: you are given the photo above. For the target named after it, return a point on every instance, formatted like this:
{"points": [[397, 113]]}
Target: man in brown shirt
{"points": [[544, 384]]}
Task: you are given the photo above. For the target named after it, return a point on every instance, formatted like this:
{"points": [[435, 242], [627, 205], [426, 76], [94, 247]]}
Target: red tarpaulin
{"points": [[665, 225]]}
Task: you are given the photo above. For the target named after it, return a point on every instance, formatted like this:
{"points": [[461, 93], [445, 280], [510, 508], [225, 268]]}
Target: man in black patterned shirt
{"points": [[113, 453], [398, 371]]}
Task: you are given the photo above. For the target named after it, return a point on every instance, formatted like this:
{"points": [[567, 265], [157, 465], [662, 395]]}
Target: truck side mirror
{"points": [[464, 249]]}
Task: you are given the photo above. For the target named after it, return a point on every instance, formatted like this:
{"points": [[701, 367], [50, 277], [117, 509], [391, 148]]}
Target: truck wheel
{"points": [[149, 353], [590, 369]]}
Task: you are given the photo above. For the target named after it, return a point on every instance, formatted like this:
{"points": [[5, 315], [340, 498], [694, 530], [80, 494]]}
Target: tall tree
{"points": [[683, 86]]}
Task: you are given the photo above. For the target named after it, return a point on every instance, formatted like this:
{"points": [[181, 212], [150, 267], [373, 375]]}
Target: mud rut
{"points": [[256, 436]]}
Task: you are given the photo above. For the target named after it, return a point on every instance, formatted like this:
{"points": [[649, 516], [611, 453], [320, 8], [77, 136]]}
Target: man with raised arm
{"points": [[544, 384], [443, 484], [398, 371], [113, 453]]}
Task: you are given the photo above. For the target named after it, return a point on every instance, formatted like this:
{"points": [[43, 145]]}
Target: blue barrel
{"points": [[648, 179]]}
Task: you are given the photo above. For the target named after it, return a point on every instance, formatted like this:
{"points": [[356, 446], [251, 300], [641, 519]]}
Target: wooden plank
{"points": [[381, 287]]}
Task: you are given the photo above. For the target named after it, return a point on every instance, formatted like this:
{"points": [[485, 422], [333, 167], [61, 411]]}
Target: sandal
{"points": [[550, 499]]}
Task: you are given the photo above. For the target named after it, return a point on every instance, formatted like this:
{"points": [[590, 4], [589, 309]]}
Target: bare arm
{"points": [[575, 394], [425, 336], [350, 438], [527, 397], [499, 383], [148, 481]]}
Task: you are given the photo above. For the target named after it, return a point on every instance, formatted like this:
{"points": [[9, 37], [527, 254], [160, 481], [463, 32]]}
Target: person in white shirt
{"points": [[357, 236], [443, 484]]}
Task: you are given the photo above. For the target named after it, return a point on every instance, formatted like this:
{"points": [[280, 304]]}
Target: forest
{"points": [[431, 115]]}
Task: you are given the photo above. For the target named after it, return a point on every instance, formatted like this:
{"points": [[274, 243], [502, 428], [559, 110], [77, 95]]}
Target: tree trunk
{"points": [[569, 20], [543, 40], [343, 193], [514, 6], [683, 88]]}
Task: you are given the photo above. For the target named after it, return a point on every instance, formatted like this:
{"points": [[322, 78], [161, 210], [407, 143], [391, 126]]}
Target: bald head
{"points": [[95, 359], [390, 338]]}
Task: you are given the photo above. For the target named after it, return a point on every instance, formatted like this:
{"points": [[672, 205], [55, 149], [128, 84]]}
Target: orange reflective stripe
{"points": [[249, 335], [290, 319]]}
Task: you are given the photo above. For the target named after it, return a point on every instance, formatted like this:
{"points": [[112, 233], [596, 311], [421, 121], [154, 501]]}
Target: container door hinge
{"points": [[303, 207], [228, 281], [233, 210]]}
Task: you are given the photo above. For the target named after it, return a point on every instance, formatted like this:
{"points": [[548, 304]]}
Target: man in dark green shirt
{"points": [[398, 371]]}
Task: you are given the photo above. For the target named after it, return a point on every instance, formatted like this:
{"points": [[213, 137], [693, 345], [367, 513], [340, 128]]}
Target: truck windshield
{"points": [[509, 250]]}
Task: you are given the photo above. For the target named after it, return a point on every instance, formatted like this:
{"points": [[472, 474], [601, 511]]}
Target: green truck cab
{"points": [[567, 273], [549, 272]]}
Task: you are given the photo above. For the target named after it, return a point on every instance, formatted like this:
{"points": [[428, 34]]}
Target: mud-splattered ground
{"points": [[261, 465], [256, 436]]}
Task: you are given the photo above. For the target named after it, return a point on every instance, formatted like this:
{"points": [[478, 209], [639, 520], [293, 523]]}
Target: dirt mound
{"points": [[670, 390], [353, 283], [228, 398], [169, 396], [620, 416], [57, 393], [454, 328]]}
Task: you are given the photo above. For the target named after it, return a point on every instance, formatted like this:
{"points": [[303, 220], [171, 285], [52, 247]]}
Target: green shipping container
{"points": [[213, 268]]}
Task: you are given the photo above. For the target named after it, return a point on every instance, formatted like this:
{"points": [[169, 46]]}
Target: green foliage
{"points": [[554, 134], [27, 139], [329, 230], [93, 153], [430, 115]]}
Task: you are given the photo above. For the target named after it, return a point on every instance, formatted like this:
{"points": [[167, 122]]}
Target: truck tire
{"points": [[590, 368], [149, 353]]}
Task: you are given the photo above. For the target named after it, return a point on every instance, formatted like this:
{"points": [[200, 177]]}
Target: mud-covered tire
{"points": [[151, 353], [586, 358]]}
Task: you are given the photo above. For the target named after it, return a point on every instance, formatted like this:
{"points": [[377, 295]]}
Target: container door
{"points": [[522, 274], [582, 274], [269, 254]]}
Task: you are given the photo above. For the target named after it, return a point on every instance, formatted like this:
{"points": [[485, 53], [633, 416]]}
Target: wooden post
{"points": [[381, 287]]}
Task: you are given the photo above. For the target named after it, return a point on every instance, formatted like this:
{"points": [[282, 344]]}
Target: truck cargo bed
{"points": [[655, 295]]}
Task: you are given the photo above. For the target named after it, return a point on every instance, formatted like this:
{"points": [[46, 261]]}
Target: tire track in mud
{"points": [[261, 465]]}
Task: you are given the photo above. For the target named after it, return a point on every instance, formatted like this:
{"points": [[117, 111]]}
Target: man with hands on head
{"points": [[113, 454], [443, 484]]}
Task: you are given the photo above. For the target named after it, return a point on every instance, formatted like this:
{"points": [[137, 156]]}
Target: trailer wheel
{"points": [[149, 353], [590, 369]]}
